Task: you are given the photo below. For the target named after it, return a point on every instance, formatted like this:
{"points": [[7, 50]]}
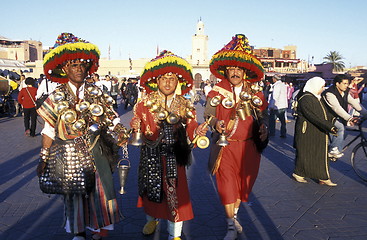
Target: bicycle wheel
{"points": [[359, 160]]}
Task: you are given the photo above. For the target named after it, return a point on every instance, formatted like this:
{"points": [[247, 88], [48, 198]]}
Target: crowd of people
{"points": [[241, 110]]}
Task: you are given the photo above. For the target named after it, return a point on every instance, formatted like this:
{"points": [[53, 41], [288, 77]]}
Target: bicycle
{"points": [[9, 106], [359, 153]]}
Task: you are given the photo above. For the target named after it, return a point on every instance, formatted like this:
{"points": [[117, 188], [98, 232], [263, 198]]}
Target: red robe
{"points": [[240, 160], [150, 129]]}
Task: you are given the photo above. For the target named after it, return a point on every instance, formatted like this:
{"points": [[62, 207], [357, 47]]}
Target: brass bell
{"points": [[96, 109], [136, 139], [162, 115], [228, 103], [257, 101], [172, 118], [61, 106], [123, 171], [245, 96], [79, 125], [215, 101], [83, 106], [222, 141], [69, 116], [58, 96]]}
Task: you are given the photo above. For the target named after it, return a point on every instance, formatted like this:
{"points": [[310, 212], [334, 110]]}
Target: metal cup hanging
{"points": [[123, 170], [136, 139]]}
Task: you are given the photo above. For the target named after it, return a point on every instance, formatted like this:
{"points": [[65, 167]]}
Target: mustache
{"points": [[235, 76]]}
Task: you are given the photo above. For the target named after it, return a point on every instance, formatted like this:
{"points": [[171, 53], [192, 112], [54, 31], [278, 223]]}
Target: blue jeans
{"points": [[337, 141], [280, 113]]}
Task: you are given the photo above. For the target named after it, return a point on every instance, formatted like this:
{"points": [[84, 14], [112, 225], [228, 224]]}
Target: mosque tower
{"points": [[199, 55]]}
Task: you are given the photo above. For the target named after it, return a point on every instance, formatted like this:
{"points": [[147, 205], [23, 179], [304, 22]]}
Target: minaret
{"points": [[199, 54]]}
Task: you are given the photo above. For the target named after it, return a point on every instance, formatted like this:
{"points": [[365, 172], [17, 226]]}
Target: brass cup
{"points": [[110, 100], [162, 115], [202, 142], [83, 106], [256, 101], [228, 103], [215, 101], [69, 116], [172, 118], [244, 111], [96, 109], [94, 91], [245, 96], [61, 106], [241, 113], [79, 125], [148, 103], [58, 96], [155, 108]]}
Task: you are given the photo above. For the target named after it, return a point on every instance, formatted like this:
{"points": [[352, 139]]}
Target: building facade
{"points": [[29, 55]]}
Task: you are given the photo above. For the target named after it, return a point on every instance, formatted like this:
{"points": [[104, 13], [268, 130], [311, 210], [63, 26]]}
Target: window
{"points": [[270, 53]]}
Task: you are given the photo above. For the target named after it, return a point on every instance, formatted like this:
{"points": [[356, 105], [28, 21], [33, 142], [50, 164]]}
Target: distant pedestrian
{"points": [[355, 89], [27, 98], [114, 90], [278, 105], [131, 92], [313, 124]]}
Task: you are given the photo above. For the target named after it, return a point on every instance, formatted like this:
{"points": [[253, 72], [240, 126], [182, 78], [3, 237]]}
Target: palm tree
{"points": [[335, 58]]}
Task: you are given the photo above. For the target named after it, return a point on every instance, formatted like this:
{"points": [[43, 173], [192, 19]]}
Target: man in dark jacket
{"points": [[337, 98]]}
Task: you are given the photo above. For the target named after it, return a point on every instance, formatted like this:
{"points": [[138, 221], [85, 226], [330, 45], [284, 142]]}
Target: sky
{"points": [[136, 28]]}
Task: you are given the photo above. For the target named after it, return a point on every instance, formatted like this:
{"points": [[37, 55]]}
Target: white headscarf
{"points": [[313, 85]]}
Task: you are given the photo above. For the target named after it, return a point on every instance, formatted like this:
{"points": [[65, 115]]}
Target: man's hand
{"points": [[135, 124], [41, 168], [354, 121], [220, 126], [263, 131], [201, 129]]}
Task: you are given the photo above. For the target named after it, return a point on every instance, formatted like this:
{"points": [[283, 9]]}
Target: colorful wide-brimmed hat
{"points": [[167, 62], [68, 47], [237, 53]]}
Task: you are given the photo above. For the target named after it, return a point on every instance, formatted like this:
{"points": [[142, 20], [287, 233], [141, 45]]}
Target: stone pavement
{"points": [[279, 207]]}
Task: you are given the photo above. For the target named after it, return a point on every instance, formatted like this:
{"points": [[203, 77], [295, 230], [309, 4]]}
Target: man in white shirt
{"points": [[278, 104], [46, 87]]}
